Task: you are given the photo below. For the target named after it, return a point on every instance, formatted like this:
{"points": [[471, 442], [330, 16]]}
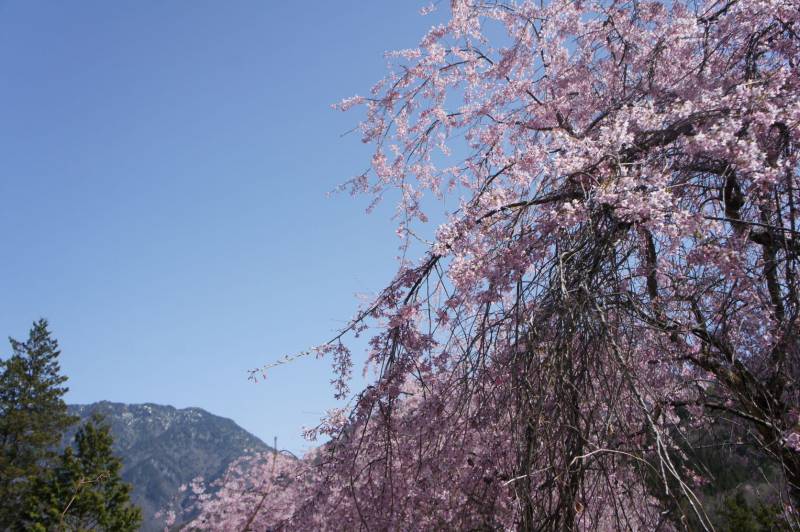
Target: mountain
{"points": [[163, 447]]}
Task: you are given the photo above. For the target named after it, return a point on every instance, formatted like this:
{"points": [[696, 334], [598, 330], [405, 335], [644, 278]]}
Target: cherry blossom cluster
{"points": [[619, 273]]}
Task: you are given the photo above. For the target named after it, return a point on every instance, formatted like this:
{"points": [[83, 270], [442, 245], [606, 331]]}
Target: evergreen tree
{"points": [[737, 515], [33, 417], [85, 490]]}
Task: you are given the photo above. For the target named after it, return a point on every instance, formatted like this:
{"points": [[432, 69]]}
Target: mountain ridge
{"points": [[163, 447]]}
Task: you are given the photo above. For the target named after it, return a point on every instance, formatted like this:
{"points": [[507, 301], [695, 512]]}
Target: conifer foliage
{"points": [[33, 417], [80, 489], [84, 491]]}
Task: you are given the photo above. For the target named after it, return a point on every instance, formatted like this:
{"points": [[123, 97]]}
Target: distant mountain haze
{"points": [[163, 447]]}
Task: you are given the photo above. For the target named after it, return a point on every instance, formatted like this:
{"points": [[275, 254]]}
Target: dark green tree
{"points": [[737, 515], [84, 491], [33, 417]]}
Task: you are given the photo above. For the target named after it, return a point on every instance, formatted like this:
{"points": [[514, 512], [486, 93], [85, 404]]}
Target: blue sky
{"points": [[164, 174]]}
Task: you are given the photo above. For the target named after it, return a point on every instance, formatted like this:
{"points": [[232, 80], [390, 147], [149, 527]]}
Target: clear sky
{"points": [[163, 171]]}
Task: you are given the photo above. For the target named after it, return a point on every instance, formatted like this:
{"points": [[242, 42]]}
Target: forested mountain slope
{"points": [[163, 447]]}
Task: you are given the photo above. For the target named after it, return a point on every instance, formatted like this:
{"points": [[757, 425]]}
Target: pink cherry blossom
{"points": [[619, 273]]}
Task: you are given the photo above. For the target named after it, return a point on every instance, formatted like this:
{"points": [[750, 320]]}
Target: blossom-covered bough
{"points": [[621, 271]]}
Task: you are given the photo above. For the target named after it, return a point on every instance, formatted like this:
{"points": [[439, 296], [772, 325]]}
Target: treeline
{"points": [[79, 488]]}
